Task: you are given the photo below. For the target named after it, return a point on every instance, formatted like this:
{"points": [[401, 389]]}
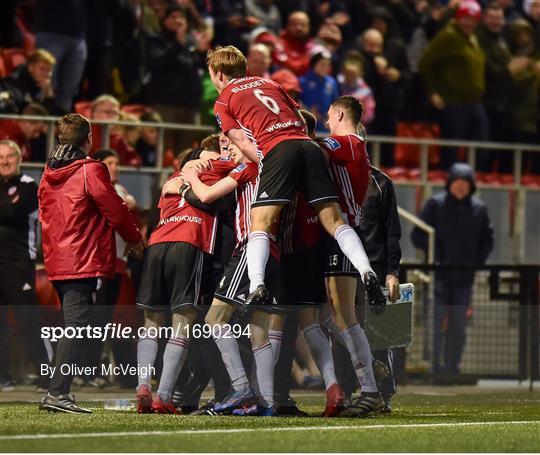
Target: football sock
{"points": [[265, 373], [147, 348], [173, 359], [233, 362], [352, 247], [358, 347], [257, 251], [333, 332], [320, 350], [275, 337]]}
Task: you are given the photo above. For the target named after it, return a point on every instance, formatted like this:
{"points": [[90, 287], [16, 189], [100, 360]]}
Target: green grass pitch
{"points": [[422, 421]]}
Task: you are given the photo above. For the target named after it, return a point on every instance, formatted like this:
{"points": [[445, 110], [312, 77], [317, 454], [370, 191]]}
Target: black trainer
{"points": [[381, 372], [62, 403], [375, 296], [259, 297], [207, 409], [365, 404]]}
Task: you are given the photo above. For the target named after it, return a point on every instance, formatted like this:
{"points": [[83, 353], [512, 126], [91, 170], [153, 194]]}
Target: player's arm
{"points": [[223, 204], [246, 146], [209, 193]]}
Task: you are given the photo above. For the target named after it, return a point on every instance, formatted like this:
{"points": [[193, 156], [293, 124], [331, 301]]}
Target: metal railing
{"points": [[423, 226]]}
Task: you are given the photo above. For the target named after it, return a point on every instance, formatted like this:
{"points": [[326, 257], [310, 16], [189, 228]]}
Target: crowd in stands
{"points": [[455, 69]]}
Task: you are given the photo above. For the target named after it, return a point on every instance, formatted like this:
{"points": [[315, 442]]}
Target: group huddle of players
{"points": [[297, 206]]}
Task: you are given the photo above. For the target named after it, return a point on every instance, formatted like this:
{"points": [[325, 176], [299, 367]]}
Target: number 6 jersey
{"points": [[262, 109]]}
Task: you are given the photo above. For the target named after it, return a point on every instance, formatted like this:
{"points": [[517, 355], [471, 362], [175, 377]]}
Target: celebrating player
{"points": [[233, 290], [263, 121], [350, 168]]}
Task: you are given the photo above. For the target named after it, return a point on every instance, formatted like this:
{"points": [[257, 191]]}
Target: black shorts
{"points": [[337, 264], [17, 283], [303, 274], [171, 276], [294, 165], [234, 285]]}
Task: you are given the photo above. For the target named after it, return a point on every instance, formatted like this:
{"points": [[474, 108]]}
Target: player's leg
{"points": [[341, 294], [219, 315], [320, 192], [147, 348], [173, 358], [278, 179], [263, 366], [258, 247], [275, 334]]}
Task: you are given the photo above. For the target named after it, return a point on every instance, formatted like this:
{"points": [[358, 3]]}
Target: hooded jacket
{"points": [[80, 211], [463, 232]]}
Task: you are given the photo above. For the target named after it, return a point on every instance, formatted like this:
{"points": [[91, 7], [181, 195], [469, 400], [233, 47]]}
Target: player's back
{"points": [[262, 109], [350, 169]]}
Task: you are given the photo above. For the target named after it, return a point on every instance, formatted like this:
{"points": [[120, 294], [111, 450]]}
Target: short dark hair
{"points": [[35, 109], [211, 143], [151, 117], [73, 129], [493, 6], [352, 106], [310, 120], [103, 154]]}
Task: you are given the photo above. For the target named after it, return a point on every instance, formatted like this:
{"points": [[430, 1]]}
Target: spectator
{"points": [[289, 82], [452, 69], [18, 220], [384, 78], [78, 204], [524, 109], [351, 82], [499, 69], [464, 239], [319, 88], [531, 8], [259, 61], [107, 108], [29, 83], [61, 27], [174, 88], [266, 12], [297, 44], [23, 132], [146, 145], [232, 23]]}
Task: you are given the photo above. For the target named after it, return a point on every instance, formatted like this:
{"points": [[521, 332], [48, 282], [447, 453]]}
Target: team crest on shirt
{"points": [[331, 143], [239, 168], [218, 120]]}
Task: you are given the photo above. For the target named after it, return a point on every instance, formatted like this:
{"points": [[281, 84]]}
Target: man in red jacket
{"points": [[80, 211]]}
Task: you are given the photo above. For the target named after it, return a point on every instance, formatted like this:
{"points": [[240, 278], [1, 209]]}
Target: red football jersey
{"points": [[181, 222], [350, 169], [301, 228], [262, 109]]}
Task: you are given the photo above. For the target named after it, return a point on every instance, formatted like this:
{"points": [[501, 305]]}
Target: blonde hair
{"points": [[229, 60], [13, 145], [41, 55], [102, 99]]}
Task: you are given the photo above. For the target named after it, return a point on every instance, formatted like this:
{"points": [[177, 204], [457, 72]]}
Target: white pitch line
{"points": [[251, 430]]}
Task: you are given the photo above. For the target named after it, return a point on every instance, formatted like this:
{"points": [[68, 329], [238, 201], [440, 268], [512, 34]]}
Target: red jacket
{"points": [[10, 129], [80, 212], [297, 52]]}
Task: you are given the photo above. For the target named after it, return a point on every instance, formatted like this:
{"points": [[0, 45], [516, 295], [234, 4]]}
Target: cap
{"points": [[469, 8]]}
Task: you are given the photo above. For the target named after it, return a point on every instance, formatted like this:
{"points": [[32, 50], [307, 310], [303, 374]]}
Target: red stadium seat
{"points": [[135, 109], [396, 173], [413, 174], [530, 180], [437, 176], [506, 179], [84, 108], [28, 36], [3, 68], [14, 57]]}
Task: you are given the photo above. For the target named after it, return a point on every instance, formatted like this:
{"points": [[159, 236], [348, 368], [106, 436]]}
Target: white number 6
{"points": [[269, 102]]}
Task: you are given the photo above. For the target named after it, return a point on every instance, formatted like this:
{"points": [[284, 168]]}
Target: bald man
{"points": [[259, 61]]}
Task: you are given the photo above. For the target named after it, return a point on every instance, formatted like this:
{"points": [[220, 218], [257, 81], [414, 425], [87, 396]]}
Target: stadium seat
{"points": [[530, 180], [437, 176], [3, 68], [135, 109], [14, 57], [83, 108], [396, 173], [506, 179]]}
